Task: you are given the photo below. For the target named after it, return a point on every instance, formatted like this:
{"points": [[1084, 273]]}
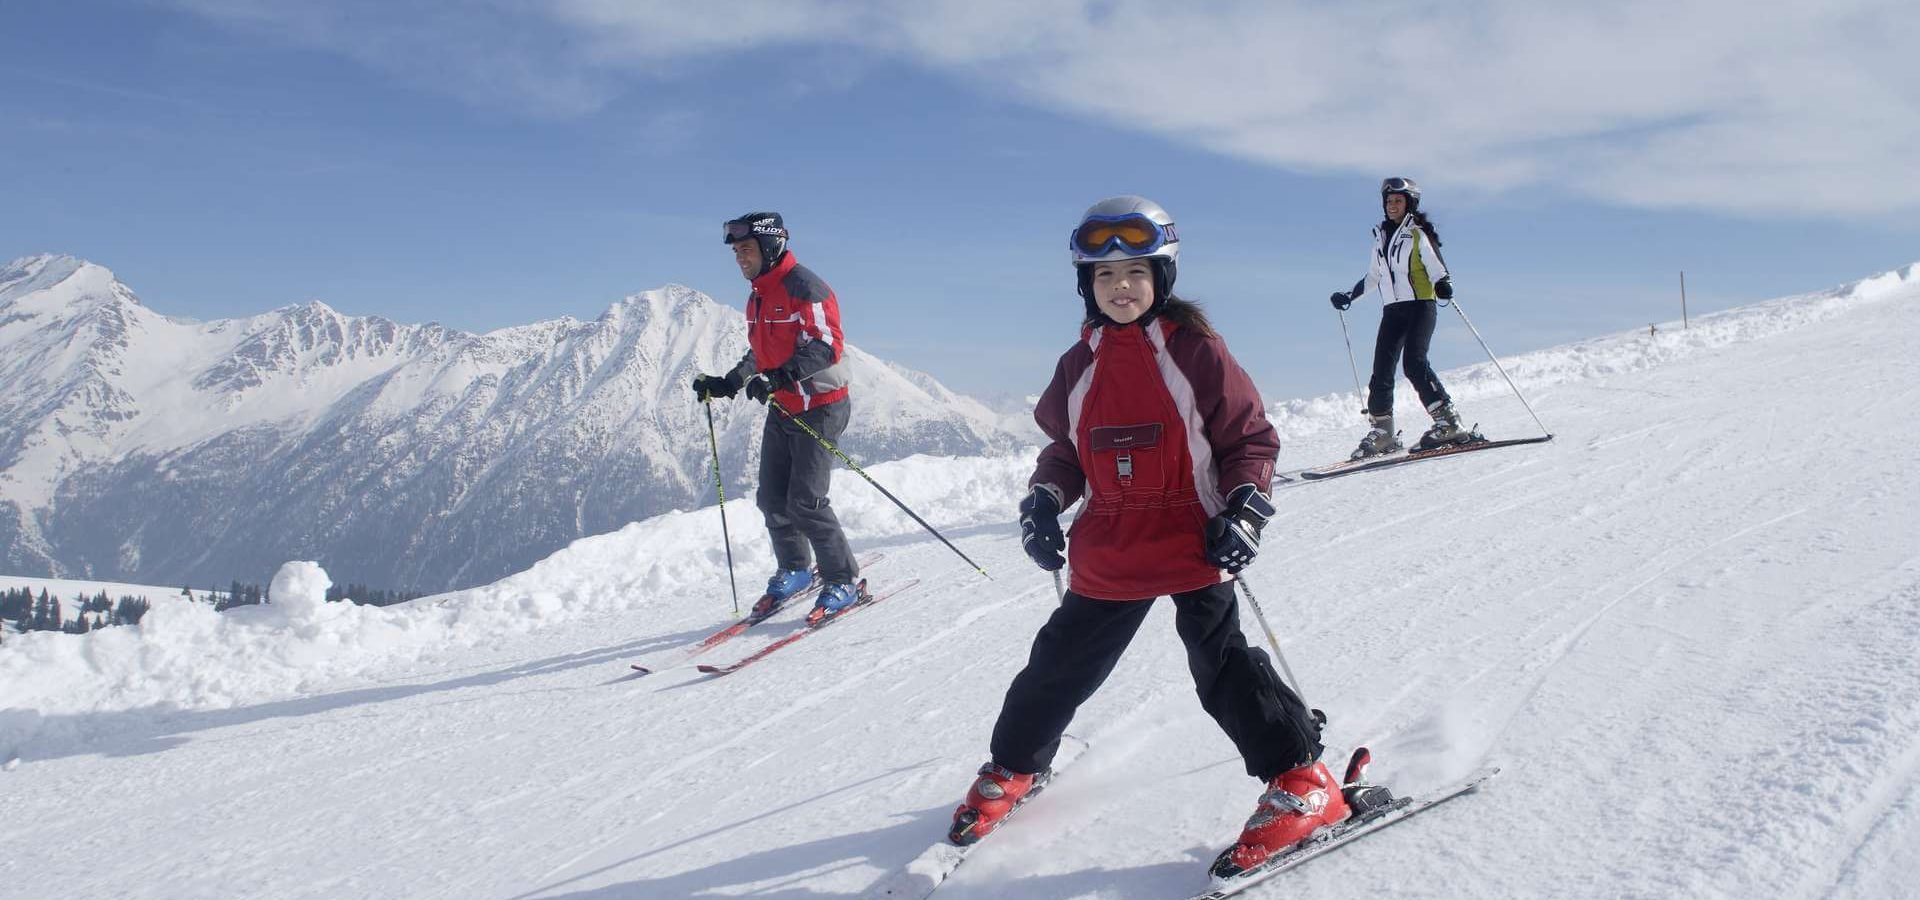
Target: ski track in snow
{"points": [[1685, 629]]}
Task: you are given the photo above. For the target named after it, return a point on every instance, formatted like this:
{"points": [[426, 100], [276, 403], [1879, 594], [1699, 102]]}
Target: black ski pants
{"points": [[1078, 647], [1406, 329], [795, 472]]}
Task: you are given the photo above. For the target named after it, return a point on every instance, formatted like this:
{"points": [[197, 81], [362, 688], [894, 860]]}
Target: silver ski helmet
{"points": [[1405, 187], [1126, 227], [765, 228]]}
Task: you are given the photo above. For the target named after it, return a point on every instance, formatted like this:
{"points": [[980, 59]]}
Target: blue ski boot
{"points": [[780, 588], [834, 600]]}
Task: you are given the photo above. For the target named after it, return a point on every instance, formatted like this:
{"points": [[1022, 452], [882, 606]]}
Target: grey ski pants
{"points": [[795, 473]]}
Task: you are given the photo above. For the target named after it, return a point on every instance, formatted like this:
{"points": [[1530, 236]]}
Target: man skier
{"points": [[794, 357]]}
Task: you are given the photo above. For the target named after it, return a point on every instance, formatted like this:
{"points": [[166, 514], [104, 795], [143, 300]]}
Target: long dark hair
{"points": [[1165, 302], [1184, 313], [1387, 226]]}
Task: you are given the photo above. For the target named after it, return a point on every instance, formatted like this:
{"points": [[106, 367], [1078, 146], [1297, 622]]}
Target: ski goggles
{"points": [[737, 230], [1392, 185], [1132, 232]]}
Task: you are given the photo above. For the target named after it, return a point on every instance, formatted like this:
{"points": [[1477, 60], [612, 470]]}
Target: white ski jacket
{"points": [[1390, 276]]}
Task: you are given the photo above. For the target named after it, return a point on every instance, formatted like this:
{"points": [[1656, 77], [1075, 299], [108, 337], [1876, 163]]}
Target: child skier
{"points": [[1163, 433]]}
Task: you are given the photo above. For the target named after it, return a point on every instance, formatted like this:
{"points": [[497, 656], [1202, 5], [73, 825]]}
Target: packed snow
{"points": [[1684, 629]]}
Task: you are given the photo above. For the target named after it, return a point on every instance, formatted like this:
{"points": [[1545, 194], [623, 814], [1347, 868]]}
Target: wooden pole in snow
{"points": [[1683, 300]]}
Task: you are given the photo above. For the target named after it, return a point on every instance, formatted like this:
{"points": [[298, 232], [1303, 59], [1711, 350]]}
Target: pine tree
{"points": [[130, 610], [14, 602]]}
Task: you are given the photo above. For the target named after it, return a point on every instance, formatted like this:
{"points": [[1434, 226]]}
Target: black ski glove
{"points": [[1444, 288], [1341, 299], [708, 386], [1233, 536], [763, 384], [1040, 529]]}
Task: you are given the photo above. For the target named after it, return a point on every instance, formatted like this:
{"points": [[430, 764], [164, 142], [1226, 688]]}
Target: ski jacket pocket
{"points": [[1127, 465]]}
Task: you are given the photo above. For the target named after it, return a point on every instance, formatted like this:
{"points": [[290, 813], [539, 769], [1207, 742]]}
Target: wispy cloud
{"points": [[106, 89], [1798, 109], [487, 52]]}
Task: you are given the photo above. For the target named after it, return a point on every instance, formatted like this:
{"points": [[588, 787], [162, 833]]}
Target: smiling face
{"points": [[1396, 206], [1123, 289], [746, 254]]}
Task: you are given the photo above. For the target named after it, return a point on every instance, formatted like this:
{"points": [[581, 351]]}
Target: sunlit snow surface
{"points": [[1685, 629]]}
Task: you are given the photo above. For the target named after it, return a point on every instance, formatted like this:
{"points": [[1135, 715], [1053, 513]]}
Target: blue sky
{"points": [[499, 162]]}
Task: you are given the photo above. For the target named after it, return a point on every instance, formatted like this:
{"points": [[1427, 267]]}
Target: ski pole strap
{"points": [[778, 407]]}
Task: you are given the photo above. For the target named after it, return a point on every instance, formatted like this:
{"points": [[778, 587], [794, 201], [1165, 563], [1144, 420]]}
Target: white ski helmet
{"points": [[1126, 227]]}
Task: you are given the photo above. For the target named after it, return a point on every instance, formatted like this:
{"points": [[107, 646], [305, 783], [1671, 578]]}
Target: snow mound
{"points": [[184, 655]]}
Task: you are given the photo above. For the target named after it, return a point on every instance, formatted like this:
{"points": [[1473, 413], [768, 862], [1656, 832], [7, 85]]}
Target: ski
{"points": [[1340, 835], [920, 878], [865, 601], [1381, 462], [740, 627]]}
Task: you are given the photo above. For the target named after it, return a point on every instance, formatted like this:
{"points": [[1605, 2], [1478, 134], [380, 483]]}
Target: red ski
{"points": [[865, 601], [738, 628]]}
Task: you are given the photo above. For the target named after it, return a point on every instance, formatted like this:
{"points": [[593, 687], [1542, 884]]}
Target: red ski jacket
{"points": [[793, 326], [1155, 425]]}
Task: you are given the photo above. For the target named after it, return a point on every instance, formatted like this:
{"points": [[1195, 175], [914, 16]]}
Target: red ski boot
{"points": [[993, 796], [1296, 806]]}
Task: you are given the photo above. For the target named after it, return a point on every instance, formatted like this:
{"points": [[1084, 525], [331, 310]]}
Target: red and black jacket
{"points": [[793, 328], [1155, 425]]}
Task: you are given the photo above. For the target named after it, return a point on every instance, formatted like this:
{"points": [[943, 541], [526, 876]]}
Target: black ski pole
{"points": [[720, 488], [876, 485]]}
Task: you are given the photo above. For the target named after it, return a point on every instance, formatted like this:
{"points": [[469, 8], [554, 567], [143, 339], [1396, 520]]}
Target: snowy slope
{"points": [[138, 447], [1685, 628]]}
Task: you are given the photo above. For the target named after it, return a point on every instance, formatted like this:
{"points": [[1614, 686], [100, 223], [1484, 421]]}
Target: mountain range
{"points": [[137, 446]]}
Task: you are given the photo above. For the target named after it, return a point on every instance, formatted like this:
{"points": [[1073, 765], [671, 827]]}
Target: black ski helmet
{"points": [[1162, 250], [1405, 187], [766, 228]]}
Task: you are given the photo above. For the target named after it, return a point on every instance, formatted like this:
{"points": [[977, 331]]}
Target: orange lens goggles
{"points": [[1135, 233]]}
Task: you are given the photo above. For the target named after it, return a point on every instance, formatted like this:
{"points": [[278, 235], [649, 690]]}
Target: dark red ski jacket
{"points": [[1154, 425]]}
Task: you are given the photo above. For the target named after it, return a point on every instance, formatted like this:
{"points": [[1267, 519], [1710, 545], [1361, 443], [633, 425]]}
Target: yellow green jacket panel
{"points": [[1406, 268]]}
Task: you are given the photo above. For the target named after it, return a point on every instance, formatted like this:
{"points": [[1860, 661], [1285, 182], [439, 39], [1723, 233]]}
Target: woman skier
{"points": [[1410, 277], [1156, 425]]}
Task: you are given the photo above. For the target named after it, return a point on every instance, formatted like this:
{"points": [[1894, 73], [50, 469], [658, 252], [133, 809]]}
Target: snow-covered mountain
{"points": [[139, 447], [1685, 629]]}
